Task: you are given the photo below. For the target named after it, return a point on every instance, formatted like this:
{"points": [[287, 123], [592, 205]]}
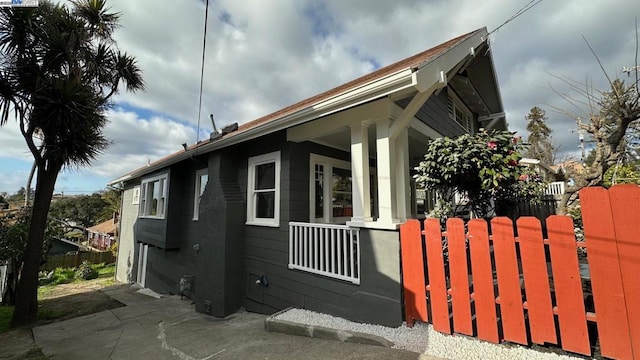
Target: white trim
{"points": [[328, 163], [273, 157], [143, 251], [144, 207], [458, 104], [325, 249], [196, 191], [136, 195]]}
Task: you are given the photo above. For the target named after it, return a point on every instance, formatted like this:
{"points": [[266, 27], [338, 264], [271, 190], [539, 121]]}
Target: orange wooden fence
{"points": [[536, 283]]}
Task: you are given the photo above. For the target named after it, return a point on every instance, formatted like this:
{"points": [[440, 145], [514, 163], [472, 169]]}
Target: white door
{"points": [[142, 264]]}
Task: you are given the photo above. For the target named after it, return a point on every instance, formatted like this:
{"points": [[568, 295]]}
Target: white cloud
{"points": [[264, 56]]}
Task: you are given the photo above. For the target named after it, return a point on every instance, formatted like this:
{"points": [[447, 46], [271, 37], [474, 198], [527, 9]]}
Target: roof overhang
{"points": [[422, 78]]}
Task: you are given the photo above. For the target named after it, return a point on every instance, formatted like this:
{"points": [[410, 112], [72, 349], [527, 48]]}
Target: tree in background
{"points": [[14, 229], [79, 211], [610, 118], [59, 68], [539, 139]]}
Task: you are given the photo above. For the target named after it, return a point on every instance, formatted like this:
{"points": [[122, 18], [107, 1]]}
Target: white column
{"points": [[360, 182], [386, 177], [401, 172]]}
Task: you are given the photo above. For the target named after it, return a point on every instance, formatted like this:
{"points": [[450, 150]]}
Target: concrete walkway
{"points": [[169, 328]]}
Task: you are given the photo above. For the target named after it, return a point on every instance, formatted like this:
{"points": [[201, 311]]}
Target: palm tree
{"points": [[59, 68]]}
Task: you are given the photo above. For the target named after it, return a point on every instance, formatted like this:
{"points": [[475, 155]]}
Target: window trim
{"points": [[272, 157], [136, 195], [143, 194], [196, 191], [458, 104], [327, 162]]}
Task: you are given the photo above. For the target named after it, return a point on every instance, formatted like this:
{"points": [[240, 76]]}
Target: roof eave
{"points": [[367, 92]]}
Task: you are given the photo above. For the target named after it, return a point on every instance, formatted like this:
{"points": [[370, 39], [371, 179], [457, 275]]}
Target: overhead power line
{"points": [[524, 9]]}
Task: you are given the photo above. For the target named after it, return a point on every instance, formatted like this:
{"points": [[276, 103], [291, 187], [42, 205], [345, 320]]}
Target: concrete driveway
{"points": [[169, 328]]}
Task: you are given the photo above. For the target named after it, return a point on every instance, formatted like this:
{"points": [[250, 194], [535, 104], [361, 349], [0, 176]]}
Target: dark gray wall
{"points": [[171, 254], [220, 238], [232, 255], [376, 300], [435, 114]]}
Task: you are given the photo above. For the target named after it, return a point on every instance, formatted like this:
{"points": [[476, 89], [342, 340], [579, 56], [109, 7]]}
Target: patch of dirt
{"points": [[18, 344], [57, 303]]}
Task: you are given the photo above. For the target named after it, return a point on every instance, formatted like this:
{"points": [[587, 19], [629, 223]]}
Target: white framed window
{"points": [[263, 190], [202, 177], [331, 196], [153, 196], [459, 112], [136, 195]]}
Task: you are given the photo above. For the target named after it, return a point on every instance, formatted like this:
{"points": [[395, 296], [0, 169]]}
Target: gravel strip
{"points": [[423, 339]]}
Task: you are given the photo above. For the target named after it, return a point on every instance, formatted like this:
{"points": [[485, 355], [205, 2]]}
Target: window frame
{"points": [[252, 163], [136, 195], [328, 164], [144, 200], [196, 192], [455, 103]]}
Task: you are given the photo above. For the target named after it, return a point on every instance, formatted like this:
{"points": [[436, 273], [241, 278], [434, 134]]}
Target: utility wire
{"points": [[204, 47], [524, 9]]}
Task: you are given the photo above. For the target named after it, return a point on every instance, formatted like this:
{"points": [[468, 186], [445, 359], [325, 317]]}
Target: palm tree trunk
{"points": [[26, 310]]}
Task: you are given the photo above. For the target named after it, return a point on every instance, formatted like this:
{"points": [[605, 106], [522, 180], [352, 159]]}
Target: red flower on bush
{"points": [[512, 163], [523, 177], [492, 145]]}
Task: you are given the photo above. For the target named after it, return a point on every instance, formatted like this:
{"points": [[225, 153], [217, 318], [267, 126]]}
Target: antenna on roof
{"points": [[215, 134]]}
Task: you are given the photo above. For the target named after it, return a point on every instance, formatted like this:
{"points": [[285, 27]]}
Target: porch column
{"points": [[360, 182], [386, 176], [401, 172]]}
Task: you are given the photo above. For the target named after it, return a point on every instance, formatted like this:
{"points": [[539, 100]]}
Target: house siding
{"points": [[434, 113], [227, 256], [375, 300], [126, 236]]}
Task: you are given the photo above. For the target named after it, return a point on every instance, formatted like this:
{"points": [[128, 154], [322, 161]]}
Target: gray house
{"points": [[302, 207]]}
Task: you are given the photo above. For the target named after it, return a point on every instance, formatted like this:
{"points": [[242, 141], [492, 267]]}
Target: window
{"points": [[202, 177], [153, 197], [331, 193], [459, 112], [136, 195], [263, 190]]}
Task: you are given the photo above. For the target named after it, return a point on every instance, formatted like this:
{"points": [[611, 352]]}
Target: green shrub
{"points": [[86, 272], [58, 276]]}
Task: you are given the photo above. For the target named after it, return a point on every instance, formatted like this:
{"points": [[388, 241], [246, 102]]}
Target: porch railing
{"points": [[325, 249], [555, 188]]}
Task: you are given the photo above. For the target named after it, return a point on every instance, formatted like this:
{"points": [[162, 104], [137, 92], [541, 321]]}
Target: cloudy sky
{"points": [[264, 55]]}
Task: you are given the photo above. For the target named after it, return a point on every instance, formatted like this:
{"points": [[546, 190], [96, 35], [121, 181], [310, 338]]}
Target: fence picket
{"points": [[415, 306], [606, 280], [567, 285], [482, 278], [437, 282], [459, 275], [626, 213], [509, 293], [536, 281]]}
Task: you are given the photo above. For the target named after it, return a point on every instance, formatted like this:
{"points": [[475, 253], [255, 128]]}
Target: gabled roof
{"points": [[107, 227], [371, 84]]}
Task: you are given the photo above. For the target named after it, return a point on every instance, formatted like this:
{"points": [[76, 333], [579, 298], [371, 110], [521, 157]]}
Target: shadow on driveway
{"points": [[169, 328]]}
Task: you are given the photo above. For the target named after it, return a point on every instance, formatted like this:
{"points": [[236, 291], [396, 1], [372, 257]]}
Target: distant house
{"points": [[102, 236], [302, 207]]}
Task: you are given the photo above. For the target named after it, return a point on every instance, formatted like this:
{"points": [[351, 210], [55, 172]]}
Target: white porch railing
{"points": [[555, 188], [325, 249]]}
